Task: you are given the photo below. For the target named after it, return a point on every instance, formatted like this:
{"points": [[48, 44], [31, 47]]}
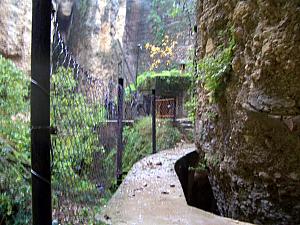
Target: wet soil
{"points": [[151, 194]]}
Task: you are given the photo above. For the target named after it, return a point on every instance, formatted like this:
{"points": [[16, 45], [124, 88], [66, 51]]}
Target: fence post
{"points": [[174, 111], [153, 122], [40, 113], [120, 146], [137, 64]]}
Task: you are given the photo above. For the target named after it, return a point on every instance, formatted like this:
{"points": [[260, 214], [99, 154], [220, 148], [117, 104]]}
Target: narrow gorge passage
{"points": [[129, 78]]}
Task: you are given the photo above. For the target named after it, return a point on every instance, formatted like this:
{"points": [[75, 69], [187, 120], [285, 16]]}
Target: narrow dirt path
{"points": [[151, 194]]}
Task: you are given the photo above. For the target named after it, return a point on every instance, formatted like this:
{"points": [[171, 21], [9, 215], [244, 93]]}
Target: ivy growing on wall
{"points": [[214, 69], [212, 73]]}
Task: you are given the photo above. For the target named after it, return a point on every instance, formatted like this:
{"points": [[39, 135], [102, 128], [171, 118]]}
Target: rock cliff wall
{"points": [[96, 27], [251, 135], [140, 29], [15, 32], [137, 32]]}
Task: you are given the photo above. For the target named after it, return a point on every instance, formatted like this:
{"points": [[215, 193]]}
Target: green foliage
{"points": [[172, 80], [213, 70], [166, 82], [201, 166], [77, 148], [15, 189], [174, 11], [209, 160], [138, 140], [191, 107], [75, 118]]}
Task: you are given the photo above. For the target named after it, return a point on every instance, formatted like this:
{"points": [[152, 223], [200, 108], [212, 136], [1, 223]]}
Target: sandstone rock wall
{"points": [[96, 27], [15, 32], [137, 32], [251, 135]]}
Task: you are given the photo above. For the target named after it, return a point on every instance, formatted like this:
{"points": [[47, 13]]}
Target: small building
{"points": [[171, 92]]}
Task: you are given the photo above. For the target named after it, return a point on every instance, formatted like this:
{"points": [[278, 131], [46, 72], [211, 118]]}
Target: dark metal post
{"points": [[40, 113], [137, 64], [120, 146], [174, 111], [153, 122]]}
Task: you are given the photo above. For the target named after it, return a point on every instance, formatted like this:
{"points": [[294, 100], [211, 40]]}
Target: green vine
{"points": [[214, 69]]}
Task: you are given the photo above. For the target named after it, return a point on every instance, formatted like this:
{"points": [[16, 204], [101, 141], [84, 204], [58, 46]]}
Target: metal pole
{"points": [[40, 113], [120, 146], [137, 64], [153, 122], [174, 111]]}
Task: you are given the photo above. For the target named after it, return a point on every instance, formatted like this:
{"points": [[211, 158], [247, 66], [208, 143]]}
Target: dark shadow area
{"points": [[195, 184]]}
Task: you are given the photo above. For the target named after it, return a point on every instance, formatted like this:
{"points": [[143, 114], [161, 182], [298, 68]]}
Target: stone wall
{"points": [[251, 135], [96, 27], [15, 32]]}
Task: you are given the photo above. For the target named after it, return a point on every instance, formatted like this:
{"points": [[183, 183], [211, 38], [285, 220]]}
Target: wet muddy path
{"points": [[152, 194]]}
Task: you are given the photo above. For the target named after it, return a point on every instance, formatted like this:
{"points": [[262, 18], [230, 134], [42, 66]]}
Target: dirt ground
{"points": [[151, 194]]}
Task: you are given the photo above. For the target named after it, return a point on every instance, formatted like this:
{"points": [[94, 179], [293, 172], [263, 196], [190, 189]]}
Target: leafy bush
{"points": [[138, 140], [165, 82], [15, 183], [79, 157], [76, 143], [15, 186]]}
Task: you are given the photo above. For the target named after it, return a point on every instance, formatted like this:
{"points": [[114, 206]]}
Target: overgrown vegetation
{"points": [[200, 167], [209, 160], [72, 111], [15, 196], [214, 69], [71, 151], [191, 107], [212, 74], [77, 149], [165, 82], [156, 20], [138, 140]]}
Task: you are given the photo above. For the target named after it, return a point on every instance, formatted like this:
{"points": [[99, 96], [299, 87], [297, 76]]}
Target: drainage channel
{"points": [[196, 186]]}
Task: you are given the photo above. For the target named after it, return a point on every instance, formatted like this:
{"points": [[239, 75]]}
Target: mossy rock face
{"points": [[252, 144]]}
